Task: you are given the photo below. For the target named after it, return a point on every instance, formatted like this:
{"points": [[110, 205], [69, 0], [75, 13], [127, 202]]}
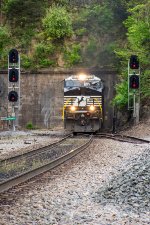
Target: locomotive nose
{"points": [[83, 122]]}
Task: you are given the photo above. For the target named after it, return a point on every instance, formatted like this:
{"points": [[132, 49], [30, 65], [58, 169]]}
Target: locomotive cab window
{"points": [[72, 83]]}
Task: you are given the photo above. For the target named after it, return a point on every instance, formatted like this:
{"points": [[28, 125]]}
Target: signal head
{"points": [[134, 62], [134, 82], [13, 56], [13, 75], [13, 96]]}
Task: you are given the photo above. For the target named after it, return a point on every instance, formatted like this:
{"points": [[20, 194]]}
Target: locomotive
{"points": [[83, 103]]}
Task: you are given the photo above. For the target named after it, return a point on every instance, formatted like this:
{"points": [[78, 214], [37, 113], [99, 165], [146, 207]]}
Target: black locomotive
{"points": [[83, 103]]}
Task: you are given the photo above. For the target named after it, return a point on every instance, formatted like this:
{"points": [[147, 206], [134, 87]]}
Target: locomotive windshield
{"points": [[73, 83], [94, 84]]}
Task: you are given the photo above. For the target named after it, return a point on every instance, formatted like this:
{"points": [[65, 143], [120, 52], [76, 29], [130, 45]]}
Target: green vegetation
{"points": [[57, 23], [23, 18], [4, 41], [46, 31], [58, 34], [4, 37], [72, 55], [29, 126], [12, 168], [138, 43]]}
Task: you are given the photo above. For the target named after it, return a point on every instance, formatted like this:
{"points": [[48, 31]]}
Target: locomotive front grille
{"points": [[92, 100]]}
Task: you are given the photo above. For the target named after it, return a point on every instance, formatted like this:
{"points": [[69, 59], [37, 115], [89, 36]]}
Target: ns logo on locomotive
{"points": [[83, 103]]}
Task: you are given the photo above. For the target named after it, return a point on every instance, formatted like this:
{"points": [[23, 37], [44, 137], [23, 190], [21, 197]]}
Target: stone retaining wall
{"points": [[42, 97]]}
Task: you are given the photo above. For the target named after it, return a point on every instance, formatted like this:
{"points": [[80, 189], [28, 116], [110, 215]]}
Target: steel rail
{"points": [[123, 138], [33, 152], [6, 185], [134, 138]]}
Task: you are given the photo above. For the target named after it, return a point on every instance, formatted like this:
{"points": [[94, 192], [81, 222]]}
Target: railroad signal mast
{"points": [[14, 85], [134, 86]]}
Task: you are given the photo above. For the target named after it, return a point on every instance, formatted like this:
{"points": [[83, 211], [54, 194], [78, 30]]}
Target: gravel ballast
{"points": [[131, 188], [107, 184], [18, 142]]}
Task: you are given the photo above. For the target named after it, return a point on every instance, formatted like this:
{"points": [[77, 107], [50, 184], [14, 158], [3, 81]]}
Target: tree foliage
{"points": [[62, 26], [57, 23], [23, 18], [23, 13], [4, 37], [96, 22], [5, 43], [72, 55], [138, 43]]}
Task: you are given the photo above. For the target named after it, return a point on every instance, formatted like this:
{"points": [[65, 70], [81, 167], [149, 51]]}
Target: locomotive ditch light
{"points": [[72, 108], [82, 76], [92, 108]]}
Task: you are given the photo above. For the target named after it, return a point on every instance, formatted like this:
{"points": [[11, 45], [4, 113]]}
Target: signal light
{"points": [[13, 56], [134, 82], [13, 96], [13, 75], [134, 62]]}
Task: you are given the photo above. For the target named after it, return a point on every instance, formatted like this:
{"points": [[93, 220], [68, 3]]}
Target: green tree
{"points": [[5, 43], [57, 23], [23, 13], [138, 43], [96, 19], [72, 55], [23, 18], [4, 37]]}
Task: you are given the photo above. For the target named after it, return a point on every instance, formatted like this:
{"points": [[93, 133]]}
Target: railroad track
{"points": [[32, 152], [123, 138], [21, 168]]}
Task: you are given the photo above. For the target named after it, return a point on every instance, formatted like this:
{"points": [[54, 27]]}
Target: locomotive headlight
{"points": [[92, 108], [82, 76], [72, 108]]}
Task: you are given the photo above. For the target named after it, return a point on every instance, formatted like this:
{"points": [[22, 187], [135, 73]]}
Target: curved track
{"points": [[21, 168], [123, 138], [33, 152], [64, 150]]}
